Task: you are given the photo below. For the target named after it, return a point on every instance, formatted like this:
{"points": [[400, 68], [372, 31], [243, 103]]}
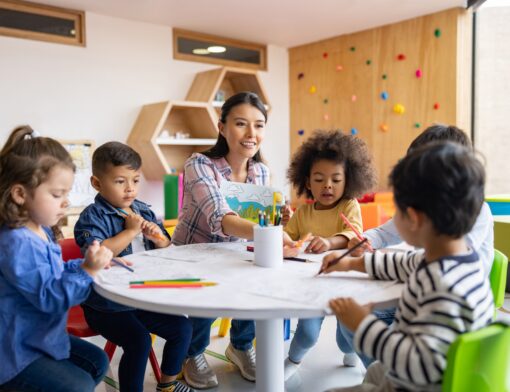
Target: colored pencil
{"points": [[122, 265], [297, 259], [157, 235], [360, 237], [166, 281], [172, 286], [334, 262], [176, 284]]}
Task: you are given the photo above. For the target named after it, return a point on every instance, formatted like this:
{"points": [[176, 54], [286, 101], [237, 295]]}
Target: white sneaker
{"points": [[289, 369], [244, 360], [198, 373], [351, 360]]}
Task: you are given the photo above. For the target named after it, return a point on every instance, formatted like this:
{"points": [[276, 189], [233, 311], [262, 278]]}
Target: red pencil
{"points": [[166, 286], [360, 237]]}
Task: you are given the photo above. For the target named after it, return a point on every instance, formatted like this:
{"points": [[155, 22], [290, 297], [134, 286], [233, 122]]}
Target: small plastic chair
{"points": [[498, 278], [479, 361], [76, 323]]}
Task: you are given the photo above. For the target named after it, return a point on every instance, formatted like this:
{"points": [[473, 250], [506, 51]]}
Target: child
{"points": [[126, 225], [438, 190], [36, 287], [480, 238], [333, 169]]}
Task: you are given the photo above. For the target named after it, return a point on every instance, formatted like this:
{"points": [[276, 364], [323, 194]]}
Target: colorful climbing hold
{"points": [[339, 68], [326, 100], [436, 106], [325, 55], [354, 98], [418, 73], [417, 125], [300, 75], [326, 117], [301, 132], [354, 131], [437, 33], [399, 108], [369, 62], [384, 127], [312, 89], [401, 57], [384, 95], [352, 48], [384, 76]]}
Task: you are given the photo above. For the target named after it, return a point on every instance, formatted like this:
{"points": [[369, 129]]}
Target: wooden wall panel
{"points": [[444, 62]]}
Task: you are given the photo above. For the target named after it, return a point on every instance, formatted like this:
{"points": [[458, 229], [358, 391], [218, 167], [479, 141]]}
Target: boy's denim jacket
{"points": [[100, 221]]}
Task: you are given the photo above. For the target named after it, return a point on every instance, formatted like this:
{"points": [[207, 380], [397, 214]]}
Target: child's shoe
{"points": [[351, 360], [289, 369], [244, 360], [198, 373], [173, 386]]}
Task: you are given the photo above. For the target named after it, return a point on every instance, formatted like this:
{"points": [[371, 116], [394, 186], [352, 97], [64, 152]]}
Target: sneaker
{"points": [[173, 386], [198, 373], [244, 360], [350, 360], [289, 368]]}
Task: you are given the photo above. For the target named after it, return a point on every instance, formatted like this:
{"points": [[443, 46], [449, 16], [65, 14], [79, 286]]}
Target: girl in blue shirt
{"points": [[36, 287]]}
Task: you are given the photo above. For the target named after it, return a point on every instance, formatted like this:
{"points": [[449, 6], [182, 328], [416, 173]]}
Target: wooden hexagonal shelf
{"points": [[217, 85], [165, 134]]}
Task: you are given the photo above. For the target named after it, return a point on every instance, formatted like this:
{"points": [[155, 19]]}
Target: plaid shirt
{"points": [[203, 205]]}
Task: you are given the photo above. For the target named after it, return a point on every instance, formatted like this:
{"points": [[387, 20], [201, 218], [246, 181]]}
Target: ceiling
{"points": [[284, 23]]}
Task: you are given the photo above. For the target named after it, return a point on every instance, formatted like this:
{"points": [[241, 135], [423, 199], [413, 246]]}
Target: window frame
{"points": [[78, 17], [216, 40]]}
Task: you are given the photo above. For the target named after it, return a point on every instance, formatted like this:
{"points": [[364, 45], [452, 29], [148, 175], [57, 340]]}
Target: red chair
{"points": [[76, 323]]}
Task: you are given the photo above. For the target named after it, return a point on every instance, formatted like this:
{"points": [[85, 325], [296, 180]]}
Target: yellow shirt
{"points": [[325, 223]]}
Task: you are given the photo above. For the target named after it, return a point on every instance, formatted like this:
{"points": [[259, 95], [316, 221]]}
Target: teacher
{"points": [[206, 217]]}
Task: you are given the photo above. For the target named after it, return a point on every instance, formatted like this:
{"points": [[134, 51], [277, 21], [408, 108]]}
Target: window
{"points": [[206, 48], [40, 22]]}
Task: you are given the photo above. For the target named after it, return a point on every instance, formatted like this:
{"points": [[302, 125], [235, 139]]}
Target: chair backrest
{"points": [[498, 278], [70, 249], [479, 361]]}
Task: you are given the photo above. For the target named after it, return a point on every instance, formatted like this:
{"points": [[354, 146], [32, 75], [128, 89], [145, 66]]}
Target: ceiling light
{"points": [[217, 49], [201, 51]]}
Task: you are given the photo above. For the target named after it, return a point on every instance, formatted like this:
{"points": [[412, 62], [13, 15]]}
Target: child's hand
{"points": [[349, 312], [286, 213], [96, 258], [287, 241], [153, 232], [366, 247], [318, 245], [342, 265], [134, 222], [290, 251]]}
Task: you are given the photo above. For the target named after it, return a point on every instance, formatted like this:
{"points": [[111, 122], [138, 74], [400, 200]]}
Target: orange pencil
{"points": [[157, 235], [360, 237]]}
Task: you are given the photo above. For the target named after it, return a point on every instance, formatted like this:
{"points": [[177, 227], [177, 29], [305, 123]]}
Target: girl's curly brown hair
{"points": [[351, 151]]}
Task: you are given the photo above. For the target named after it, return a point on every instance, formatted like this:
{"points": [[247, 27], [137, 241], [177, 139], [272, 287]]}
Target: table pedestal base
{"points": [[269, 335]]}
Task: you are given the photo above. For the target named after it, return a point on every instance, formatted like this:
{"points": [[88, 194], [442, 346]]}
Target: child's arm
{"points": [[384, 266]]}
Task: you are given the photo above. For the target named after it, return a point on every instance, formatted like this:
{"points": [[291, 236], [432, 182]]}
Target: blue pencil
{"points": [[123, 265], [124, 212]]}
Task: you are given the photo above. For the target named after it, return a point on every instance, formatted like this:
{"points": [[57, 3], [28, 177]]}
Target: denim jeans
{"points": [[81, 372], [386, 315], [242, 333], [307, 334], [131, 331]]}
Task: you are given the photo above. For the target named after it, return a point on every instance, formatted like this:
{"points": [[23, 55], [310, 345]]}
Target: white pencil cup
{"points": [[268, 241]]}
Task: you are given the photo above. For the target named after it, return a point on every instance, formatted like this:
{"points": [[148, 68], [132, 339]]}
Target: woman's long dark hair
{"points": [[220, 149]]}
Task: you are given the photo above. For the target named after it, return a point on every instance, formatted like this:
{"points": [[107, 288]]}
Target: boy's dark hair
{"points": [[114, 154], [26, 159], [220, 149], [445, 181], [348, 150], [440, 132]]}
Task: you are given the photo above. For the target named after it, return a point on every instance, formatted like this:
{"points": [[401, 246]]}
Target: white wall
{"points": [[96, 92], [492, 98]]}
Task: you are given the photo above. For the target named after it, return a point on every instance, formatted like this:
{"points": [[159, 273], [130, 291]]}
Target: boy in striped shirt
{"points": [[438, 191]]}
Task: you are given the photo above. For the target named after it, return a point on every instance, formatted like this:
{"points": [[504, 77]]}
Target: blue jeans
{"points": [[131, 331], [307, 334], [81, 372], [242, 333], [386, 315]]}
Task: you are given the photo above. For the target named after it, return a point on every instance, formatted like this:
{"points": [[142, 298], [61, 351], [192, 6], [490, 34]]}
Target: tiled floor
{"points": [[321, 369]]}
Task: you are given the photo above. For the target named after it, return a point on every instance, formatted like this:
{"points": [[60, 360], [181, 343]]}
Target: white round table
{"points": [[244, 291]]}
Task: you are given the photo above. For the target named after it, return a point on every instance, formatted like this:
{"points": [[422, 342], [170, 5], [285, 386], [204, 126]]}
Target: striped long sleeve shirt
{"points": [[440, 300]]}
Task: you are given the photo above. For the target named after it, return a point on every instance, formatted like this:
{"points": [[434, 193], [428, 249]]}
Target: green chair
{"points": [[498, 278], [479, 361]]}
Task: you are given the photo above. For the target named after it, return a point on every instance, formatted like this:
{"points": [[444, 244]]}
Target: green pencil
{"points": [[165, 281]]}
